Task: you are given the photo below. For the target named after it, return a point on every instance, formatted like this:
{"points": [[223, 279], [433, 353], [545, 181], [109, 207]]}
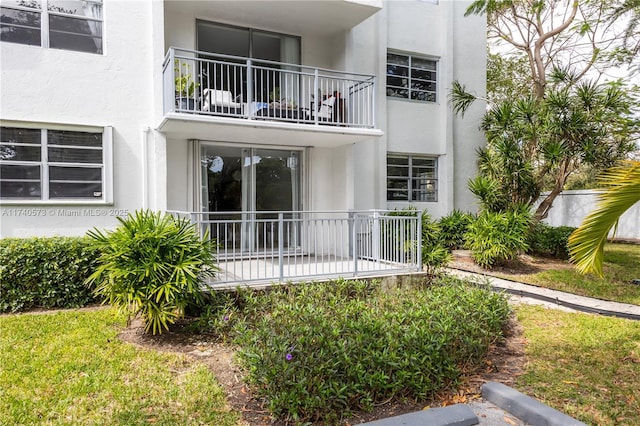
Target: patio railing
{"points": [[230, 86], [264, 247]]}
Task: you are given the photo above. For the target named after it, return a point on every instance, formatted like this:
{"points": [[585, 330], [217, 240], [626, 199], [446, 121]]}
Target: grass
{"points": [[622, 264], [584, 365], [70, 368]]}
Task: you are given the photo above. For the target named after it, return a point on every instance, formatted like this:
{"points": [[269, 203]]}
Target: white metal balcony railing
{"points": [[221, 85], [265, 247]]}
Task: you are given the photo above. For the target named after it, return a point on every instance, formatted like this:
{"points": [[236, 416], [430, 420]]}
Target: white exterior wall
{"points": [[571, 207], [469, 67], [123, 88], [438, 31], [42, 86]]}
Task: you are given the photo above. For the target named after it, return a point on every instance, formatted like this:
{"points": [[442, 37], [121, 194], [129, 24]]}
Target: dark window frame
{"points": [[412, 77], [80, 171], [412, 178], [61, 36]]}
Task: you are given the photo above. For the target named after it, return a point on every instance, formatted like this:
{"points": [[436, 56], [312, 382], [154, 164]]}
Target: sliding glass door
{"points": [[269, 83], [246, 186]]}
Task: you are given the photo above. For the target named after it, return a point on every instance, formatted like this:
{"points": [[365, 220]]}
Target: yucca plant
{"points": [[621, 190], [152, 265]]}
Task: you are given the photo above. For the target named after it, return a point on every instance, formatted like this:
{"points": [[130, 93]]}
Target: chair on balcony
{"points": [[324, 112], [221, 101]]}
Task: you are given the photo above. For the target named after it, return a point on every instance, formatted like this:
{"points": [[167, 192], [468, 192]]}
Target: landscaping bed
{"points": [[503, 362]]}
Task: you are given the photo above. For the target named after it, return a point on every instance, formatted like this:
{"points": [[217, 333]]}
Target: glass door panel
{"points": [[224, 182], [250, 180], [277, 189]]}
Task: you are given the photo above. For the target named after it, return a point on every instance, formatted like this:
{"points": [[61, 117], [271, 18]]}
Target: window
{"points": [[59, 24], [46, 164], [412, 178], [411, 77]]}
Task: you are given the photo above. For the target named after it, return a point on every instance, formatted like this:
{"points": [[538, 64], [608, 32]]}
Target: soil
{"points": [[504, 362], [522, 265]]}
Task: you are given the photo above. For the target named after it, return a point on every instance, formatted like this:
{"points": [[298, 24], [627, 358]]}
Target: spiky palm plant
{"points": [[152, 265], [621, 190]]}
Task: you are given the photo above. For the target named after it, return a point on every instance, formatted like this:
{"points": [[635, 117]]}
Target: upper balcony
{"points": [[253, 101]]}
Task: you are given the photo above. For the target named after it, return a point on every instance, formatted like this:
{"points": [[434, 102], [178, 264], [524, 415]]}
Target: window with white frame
{"points": [[49, 165], [411, 77], [59, 24], [412, 178]]}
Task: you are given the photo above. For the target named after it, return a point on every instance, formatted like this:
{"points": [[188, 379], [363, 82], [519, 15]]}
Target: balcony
{"points": [[248, 100], [258, 248]]}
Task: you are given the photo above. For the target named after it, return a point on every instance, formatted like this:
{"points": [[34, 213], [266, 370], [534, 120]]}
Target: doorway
{"points": [[245, 188]]}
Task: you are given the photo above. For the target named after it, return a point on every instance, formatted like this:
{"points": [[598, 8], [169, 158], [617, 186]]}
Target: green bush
{"points": [[498, 236], [550, 240], [45, 273], [453, 227], [152, 265], [316, 352]]}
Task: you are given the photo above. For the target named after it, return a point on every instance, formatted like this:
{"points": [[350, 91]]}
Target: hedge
{"points": [[45, 273]]}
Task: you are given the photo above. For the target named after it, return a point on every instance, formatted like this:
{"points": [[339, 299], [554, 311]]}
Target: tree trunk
{"points": [[543, 209], [561, 178]]}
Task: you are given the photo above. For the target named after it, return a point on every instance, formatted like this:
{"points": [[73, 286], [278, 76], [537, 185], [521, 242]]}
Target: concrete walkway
{"points": [[527, 293], [501, 405]]}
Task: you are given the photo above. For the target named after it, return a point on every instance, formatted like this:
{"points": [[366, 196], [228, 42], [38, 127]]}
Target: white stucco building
{"points": [[287, 106]]}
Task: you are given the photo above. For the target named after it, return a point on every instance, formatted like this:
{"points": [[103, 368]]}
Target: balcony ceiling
{"points": [[319, 17], [187, 126]]}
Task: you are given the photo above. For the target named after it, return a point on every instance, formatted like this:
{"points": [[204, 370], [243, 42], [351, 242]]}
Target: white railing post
{"points": [[318, 99], [249, 89], [373, 103], [281, 245], [170, 86], [376, 236], [419, 238], [354, 237]]}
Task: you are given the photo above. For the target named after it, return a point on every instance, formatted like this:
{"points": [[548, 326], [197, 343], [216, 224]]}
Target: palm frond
{"points": [[621, 191], [460, 98]]}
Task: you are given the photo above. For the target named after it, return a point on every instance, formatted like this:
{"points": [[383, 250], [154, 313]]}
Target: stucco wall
{"points": [[469, 68], [42, 86], [571, 207], [459, 44]]}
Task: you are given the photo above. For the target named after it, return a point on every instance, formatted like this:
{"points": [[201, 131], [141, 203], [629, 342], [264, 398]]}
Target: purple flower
{"points": [[288, 357], [226, 318]]}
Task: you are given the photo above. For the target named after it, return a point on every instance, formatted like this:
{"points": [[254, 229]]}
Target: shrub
{"points": [[498, 236], [453, 227], [435, 255], [550, 240], [45, 273], [152, 265], [318, 351]]}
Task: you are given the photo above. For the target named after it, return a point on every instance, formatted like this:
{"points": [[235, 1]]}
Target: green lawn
{"points": [[70, 368], [586, 366], [622, 264]]}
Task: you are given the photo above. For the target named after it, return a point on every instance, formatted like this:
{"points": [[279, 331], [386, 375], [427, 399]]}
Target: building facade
{"points": [[111, 106]]}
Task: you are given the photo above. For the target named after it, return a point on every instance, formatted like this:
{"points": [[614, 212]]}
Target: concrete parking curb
{"points": [[453, 415], [527, 409]]}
